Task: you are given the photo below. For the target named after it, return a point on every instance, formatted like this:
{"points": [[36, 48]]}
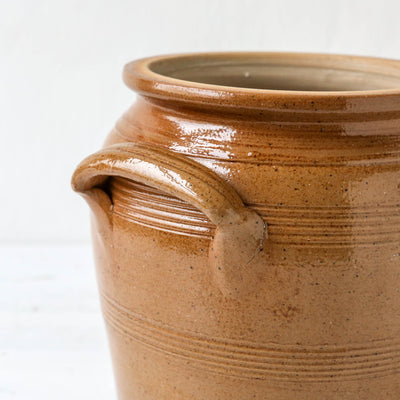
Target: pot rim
{"points": [[144, 77]]}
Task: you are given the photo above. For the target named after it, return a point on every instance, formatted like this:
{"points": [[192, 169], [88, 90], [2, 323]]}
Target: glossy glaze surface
{"points": [[311, 312]]}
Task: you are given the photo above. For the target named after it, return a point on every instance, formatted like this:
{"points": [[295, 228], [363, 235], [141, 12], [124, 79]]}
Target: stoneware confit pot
{"points": [[246, 226]]}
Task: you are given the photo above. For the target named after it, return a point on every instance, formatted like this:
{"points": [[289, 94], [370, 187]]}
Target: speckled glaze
{"points": [[246, 226]]}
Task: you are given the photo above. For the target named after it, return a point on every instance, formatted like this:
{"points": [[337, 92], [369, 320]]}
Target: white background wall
{"points": [[61, 88]]}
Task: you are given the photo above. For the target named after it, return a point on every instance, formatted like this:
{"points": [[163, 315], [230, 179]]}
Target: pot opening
{"points": [[276, 73]]}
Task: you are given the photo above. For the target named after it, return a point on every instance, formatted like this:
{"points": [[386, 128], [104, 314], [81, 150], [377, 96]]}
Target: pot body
{"points": [[321, 317]]}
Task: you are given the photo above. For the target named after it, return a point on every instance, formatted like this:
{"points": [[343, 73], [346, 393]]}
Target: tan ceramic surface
{"points": [[246, 225]]}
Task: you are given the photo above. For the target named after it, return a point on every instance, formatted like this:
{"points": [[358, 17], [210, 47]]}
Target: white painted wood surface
{"points": [[53, 343]]}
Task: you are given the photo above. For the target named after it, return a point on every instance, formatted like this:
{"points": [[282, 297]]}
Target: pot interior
{"points": [[296, 73]]}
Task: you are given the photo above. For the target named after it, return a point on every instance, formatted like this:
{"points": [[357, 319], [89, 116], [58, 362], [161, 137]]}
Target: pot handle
{"points": [[240, 232]]}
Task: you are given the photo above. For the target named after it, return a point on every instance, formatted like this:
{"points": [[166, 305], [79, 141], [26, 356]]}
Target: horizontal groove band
{"points": [[256, 360], [302, 226]]}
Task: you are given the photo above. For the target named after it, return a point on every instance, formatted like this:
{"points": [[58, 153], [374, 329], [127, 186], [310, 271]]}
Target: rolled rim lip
{"points": [[139, 76]]}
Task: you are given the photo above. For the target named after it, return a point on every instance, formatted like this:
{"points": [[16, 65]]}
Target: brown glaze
{"points": [[246, 228]]}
